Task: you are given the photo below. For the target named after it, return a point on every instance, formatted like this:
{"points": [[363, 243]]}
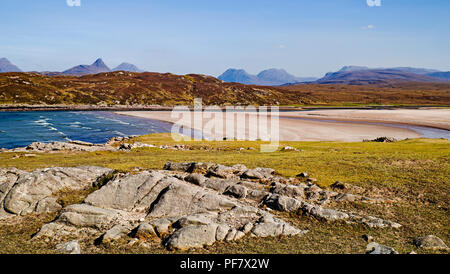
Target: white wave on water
{"points": [[113, 120], [119, 133], [42, 122]]}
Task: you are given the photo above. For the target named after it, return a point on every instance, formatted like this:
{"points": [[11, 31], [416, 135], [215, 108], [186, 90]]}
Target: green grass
{"points": [[416, 172]]}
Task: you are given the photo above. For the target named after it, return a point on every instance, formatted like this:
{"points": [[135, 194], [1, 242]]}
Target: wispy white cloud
{"points": [[368, 27]]}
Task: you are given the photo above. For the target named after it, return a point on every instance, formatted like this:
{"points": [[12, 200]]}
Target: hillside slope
{"points": [[131, 89], [128, 88]]}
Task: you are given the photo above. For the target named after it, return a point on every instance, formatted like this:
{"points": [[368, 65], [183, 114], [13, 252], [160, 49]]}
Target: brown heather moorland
{"points": [[128, 88]]}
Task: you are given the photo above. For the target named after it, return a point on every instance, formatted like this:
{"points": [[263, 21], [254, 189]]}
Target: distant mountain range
{"points": [[97, 67], [269, 77], [356, 75], [364, 75], [7, 66]]}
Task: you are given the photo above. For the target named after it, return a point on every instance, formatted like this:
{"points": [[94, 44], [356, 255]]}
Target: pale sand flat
{"points": [[309, 130], [429, 117]]}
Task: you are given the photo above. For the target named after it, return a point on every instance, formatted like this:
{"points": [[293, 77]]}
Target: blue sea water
{"points": [[19, 129]]}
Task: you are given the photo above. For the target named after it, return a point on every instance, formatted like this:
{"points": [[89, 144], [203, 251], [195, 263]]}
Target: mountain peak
{"points": [[99, 63], [97, 67], [268, 77], [7, 66], [238, 76], [127, 67]]}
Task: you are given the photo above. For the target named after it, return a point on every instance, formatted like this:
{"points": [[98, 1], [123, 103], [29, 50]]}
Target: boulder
{"points": [[376, 248], [192, 237], [258, 173], [145, 231], [282, 203], [68, 248], [430, 242], [220, 171], [238, 191], [114, 234]]}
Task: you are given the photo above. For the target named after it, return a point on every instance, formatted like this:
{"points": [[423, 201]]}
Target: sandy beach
{"points": [[339, 125]]}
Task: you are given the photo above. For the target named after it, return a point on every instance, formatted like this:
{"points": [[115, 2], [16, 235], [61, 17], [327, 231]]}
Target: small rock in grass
{"points": [[430, 242], [68, 248], [303, 175], [376, 248]]}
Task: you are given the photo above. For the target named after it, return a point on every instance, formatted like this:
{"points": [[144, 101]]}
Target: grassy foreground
{"points": [[413, 172]]}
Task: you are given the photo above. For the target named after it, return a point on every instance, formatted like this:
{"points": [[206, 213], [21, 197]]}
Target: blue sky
{"points": [[307, 38]]}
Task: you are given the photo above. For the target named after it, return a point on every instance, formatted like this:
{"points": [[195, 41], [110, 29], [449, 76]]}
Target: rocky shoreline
{"points": [[114, 144]]}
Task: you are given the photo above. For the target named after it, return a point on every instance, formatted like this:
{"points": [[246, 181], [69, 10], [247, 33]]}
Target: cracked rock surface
{"points": [[23, 193], [192, 205]]}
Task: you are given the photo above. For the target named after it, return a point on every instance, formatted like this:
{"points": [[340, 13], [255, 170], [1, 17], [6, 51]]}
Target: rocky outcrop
{"points": [[23, 193], [39, 147], [161, 204], [191, 205], [114, 144]]}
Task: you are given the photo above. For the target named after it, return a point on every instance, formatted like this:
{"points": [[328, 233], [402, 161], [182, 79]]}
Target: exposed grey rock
{"points": [[64, 146], [231, 235], [68, 248], [48, 204], [239, 235], [376, 248], [373, 221], [195, 219], [115, 233], [145, 231], [162, 226], [430, 242], [293, 191], [324, 213], [81, 215], [238, 191], [185, 209], [247, 228], [34, 191], [222, 231], [258, 173], [239, 169], [220, 171], [267, 229], [196, 178], [126, 146], [126, 193], [282, 203], [193, 237], [177, 166]]}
